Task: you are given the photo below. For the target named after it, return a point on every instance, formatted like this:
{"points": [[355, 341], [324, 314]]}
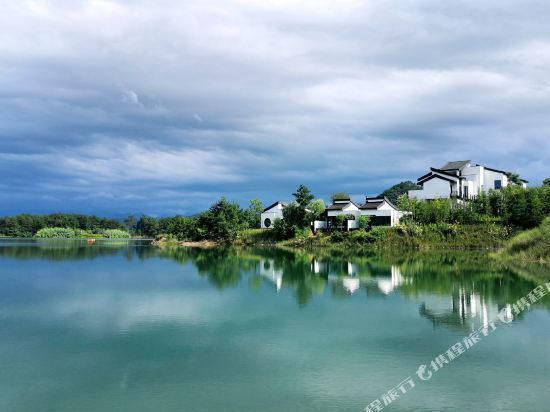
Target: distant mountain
{"points": [[399, 189]]}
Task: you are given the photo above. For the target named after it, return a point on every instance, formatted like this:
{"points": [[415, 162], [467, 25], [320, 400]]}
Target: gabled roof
{"points": [[436, 176], [275, 204], [375, 203], [445, 175], [455, 165], [338, 205], [494, 170], [501, 171], [371, 205]]}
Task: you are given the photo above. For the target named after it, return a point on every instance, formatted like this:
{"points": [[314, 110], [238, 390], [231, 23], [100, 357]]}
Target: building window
{"points": [[498, 184], [267, 222], [381, 221], [466, 191]]}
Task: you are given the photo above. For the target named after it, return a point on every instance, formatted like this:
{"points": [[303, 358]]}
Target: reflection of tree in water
{"points": [[453, 288], [62, 250], [224, 267], [471, 285], [462, 293]]}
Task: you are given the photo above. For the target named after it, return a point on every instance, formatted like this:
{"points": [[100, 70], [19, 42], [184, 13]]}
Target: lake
{"points": [[124, 326]]}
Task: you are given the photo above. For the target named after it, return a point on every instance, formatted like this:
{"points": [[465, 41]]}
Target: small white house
{"points": [[383, 213], [460, 180], [271, 214], [342, 207]]}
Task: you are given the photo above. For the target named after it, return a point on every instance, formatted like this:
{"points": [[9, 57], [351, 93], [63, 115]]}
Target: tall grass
{"points": [[532, 245]]}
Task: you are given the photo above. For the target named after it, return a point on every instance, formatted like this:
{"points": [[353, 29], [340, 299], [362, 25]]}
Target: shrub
{"points": [[56, 232], [364, 221], [359, 236], [376, 234], [337, 236], [302, 234], [409, 227], [116, 234]]}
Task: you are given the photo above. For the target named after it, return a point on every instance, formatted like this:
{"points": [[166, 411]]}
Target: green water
{"points": [[128, 327]]}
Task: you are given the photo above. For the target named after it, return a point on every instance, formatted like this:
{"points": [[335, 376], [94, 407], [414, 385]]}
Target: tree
{"points": [[254, 213], [364, 221], [222, 221], [339, 196], [513, 178], [147, 226], [130, 222], [399, 189], [303, 196], [546, 182], [316, 208]]}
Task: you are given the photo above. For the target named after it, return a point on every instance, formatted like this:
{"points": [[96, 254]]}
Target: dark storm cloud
{"points": [[115, 106]]}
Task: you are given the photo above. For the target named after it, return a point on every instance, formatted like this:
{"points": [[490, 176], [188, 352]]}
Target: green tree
{"points": [[222, 221], [513, 178], [303, 196], [130, 222], [316, 208], [399, 189], [364, 221], [254, 213], [339, 196], [296, 216], [546, 182], [147, 226]]}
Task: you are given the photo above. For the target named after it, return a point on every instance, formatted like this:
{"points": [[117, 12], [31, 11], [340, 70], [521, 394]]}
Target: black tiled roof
{"points": [[458, 164], [371, 205]]}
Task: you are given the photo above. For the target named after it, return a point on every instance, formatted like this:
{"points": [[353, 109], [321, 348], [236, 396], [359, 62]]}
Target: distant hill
{"points": [[399, 189]]}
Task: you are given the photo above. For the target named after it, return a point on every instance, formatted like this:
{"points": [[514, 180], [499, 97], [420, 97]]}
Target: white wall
{"points": [[276, 212], [432, 189], [385, 209], [474, 179], [351, 209], [489, 178], [319, 224]]}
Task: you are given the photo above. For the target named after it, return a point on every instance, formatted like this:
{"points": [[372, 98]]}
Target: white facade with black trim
{"points": [[460, 180], [271, 214]]}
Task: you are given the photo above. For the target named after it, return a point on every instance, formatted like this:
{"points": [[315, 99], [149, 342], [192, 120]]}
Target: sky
{"points": [[162, 107]]}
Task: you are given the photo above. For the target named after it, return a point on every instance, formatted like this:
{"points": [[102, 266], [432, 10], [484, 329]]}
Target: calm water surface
{"points": [[127, 327]]}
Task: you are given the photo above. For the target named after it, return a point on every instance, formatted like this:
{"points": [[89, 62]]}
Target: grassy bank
{"points": [[408, 237], [413, 237], [531, 245], [505, 241]]}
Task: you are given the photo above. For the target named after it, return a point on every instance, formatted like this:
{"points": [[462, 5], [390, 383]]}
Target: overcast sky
{"points": [[163, 106]]}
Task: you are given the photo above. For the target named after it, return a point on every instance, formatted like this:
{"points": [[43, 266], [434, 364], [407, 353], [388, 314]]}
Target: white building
{"points": [[383, 212], [271, 214], [460, 180]]}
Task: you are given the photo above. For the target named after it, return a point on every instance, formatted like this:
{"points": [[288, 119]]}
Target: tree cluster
{"points": [[512, 205], [221, 222], [25, 225]]}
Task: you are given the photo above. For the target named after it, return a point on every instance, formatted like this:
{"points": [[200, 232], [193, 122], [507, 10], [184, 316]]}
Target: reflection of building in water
{"points": [[348, 275], [344, 273], [463, 309], [334, 268], [271, 273], [386, 285]]}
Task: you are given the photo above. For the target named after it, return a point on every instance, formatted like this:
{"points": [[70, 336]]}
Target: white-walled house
{"points": [[460, 180], [383, 213], [271, 214]]}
